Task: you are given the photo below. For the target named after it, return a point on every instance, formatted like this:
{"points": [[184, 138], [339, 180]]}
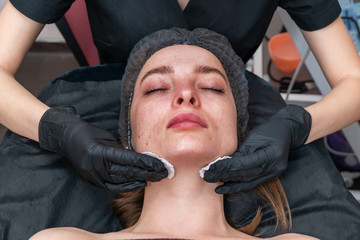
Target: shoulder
{"points": [[63, 233], [293, 236]]}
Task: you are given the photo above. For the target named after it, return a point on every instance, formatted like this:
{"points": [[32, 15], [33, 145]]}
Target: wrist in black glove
{"points": [[264, 153], [95, 153]]}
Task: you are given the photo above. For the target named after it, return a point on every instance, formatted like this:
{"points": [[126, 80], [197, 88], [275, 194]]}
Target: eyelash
{"points": [[217, 90], [152, 90]]}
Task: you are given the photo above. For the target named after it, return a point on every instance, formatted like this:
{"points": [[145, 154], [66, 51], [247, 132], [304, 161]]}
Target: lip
{"points": [[187, 120]]}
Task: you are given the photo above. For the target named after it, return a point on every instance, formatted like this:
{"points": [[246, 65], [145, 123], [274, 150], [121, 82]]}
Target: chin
{"points": [[190, 153]]}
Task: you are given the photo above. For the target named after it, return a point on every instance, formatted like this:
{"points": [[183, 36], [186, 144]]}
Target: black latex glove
{"points": [[264, 153], [95, 153]]}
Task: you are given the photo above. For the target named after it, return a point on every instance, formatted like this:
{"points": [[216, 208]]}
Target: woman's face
{"points": [[183, 107]]}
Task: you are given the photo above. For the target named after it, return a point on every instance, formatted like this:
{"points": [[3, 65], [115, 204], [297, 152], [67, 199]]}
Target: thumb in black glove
{"points": [[264, 153], [95, 153]]}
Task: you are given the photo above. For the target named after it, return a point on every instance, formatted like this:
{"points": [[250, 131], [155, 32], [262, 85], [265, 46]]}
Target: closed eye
{"points": [[153, 90], [217, 90]]}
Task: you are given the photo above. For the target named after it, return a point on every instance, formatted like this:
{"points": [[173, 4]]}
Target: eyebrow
{"points": [[158, 70], [168, 69], [208, 69]]}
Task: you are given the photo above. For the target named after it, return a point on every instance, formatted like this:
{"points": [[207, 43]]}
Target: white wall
{"points": [[2, 3], [50, 32]]}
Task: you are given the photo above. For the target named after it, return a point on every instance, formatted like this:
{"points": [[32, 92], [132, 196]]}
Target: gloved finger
{"points": [[236, 169], [130, 158], [247, 177], [242, 162], [156, 176], [236, 175], [138, 175], [125, 187], [100, 166], [233, 187]]}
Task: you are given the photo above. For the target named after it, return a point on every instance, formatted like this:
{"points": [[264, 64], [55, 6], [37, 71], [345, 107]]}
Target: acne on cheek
{"points": [[143, 141], [148, 140], [138, 137]]}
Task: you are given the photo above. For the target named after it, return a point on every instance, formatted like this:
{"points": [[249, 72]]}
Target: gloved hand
{"points": [[264, 153], [95, 153]]}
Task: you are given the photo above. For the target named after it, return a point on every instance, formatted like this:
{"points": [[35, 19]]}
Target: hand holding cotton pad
{"points": [[169, 167], [202, 171]]}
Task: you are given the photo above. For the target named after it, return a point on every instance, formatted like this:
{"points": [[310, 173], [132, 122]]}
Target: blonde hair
{"points": [[128, 207]]}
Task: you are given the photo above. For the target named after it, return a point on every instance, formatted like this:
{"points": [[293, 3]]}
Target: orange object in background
{"points": [[284, 53]]}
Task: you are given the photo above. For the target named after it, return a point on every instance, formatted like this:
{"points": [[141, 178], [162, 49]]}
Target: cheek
{"points": [[145, 127], [227, 127]]}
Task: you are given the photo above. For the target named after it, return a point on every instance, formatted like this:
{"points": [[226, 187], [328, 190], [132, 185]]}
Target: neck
{"points": [[185, 206]]}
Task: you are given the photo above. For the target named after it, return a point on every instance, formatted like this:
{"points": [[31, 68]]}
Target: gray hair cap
{"points": [[204, 38]]}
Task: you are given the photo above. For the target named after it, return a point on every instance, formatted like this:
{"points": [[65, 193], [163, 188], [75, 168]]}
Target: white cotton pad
{"points": [[202, 171], [169, 167]]}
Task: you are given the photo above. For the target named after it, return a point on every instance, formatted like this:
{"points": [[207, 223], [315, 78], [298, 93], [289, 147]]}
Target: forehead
{"points": [[183, 54]]}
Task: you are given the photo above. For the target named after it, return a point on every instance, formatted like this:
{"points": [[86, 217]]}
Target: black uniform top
{"points": [[118, 24]]}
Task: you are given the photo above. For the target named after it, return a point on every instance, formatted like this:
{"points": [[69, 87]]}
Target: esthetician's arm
{"points": [[95, 153], [264, 153], [20, 111], [340, 62]]}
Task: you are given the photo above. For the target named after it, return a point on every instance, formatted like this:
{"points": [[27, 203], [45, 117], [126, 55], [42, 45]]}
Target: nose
{"points": [[186, 97]]}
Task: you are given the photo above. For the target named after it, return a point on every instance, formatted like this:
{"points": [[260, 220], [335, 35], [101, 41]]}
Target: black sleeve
{"points": [[312, 15], [43, 11]]}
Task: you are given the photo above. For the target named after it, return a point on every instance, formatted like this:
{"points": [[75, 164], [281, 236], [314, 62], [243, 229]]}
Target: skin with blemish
{"points": [[170, 85]]}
